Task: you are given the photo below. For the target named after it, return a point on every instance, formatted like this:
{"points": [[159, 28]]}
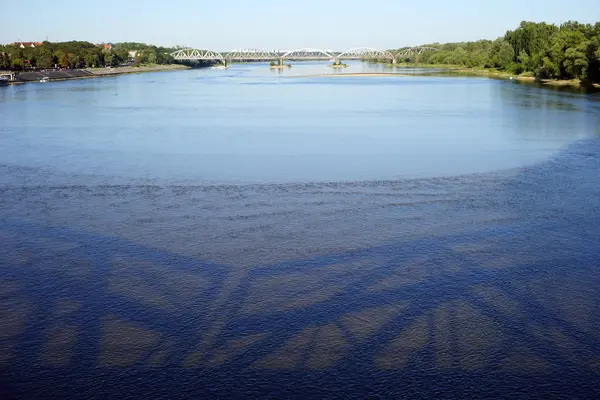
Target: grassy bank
{"points": [[494, 73]]}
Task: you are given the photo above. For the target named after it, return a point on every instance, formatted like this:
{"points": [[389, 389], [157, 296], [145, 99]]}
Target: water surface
{"points": [[252, 124], [259, 234]]}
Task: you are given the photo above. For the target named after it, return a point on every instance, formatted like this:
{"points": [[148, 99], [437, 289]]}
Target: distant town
{"points": [[21, 56]]}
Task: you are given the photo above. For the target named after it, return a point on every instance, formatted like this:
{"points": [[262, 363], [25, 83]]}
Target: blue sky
{"points": [[280, 24]]}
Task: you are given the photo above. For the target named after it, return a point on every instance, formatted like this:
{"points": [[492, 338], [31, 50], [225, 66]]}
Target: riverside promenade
{"points": [[68, 74]]}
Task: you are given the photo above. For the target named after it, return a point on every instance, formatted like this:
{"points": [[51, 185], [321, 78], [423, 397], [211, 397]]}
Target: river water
{"points": [[252, 233]]}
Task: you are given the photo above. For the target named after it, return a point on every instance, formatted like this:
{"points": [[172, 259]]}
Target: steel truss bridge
{"points": [[359, 53]]}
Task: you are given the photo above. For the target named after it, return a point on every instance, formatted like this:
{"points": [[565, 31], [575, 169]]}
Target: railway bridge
{"points": [[305, 54]]}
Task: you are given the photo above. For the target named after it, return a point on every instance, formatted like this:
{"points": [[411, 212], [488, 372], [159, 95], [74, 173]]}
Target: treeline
{"points": [[80, 55], [568, 51]]}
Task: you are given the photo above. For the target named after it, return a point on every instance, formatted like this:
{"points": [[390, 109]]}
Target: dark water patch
{"points": [[503, 307]]}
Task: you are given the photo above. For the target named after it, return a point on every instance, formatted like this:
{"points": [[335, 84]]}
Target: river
{"points": [[258, 233]]}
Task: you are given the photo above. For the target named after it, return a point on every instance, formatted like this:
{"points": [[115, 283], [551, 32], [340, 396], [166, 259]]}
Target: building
{"points": [[27, 44], [105, 46]]}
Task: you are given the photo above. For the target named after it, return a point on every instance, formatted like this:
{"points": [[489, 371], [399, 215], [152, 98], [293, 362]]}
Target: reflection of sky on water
{"points": [[464, 286], [246, 125]]}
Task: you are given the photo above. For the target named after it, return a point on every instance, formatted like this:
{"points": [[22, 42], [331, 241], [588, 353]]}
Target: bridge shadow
{"points": [[499, 309]]}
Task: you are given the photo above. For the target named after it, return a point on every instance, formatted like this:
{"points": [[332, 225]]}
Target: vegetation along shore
{"points": [[33, 61], [568, 54]]}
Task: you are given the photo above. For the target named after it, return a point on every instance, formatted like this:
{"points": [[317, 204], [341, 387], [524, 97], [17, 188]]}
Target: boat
{"points": [[4, 81], [220, 67], [45, 79]]}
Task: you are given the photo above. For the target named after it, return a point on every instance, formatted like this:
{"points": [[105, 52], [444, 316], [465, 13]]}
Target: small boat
{"points": [[45, 79], [220, 67]]}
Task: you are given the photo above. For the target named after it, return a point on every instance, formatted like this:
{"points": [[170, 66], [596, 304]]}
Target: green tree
{"points": [[4, 61], [120, 56], [530, 37], [62, 59], [548, 69], [575, 61], [501, 54], [506, 53], [523, 59], [107, 56], [73, 60], [17, 63], [567, 52], [152, 58], [91, 59], [44, 59]]}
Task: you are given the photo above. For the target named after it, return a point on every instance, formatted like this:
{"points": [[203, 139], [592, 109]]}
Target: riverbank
{"points": [[135, 70], [352, 74], [66, 75], [493, 73]]}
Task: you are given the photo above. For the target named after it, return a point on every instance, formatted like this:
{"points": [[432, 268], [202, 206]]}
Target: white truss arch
{"points": [[365, 53], [251, 55], [307, 54], [197, 54], [415, 51]]}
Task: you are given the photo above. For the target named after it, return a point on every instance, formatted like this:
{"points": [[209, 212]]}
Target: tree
{"points": [[44, 59], [523, 59], [73, 60], [506, 54], [109, 60], [62, 59], [4, 61], [548, 69], [575, 62], [17, 63], [79, 53], [91, 60], [120, 56], [567, 53], [501, 54], [530, 37], [107, 56]]}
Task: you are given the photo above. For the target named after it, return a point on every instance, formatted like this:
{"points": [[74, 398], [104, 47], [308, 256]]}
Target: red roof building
{"points": [[27, 44]]}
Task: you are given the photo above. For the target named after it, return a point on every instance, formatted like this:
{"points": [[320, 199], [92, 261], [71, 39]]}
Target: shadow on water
{"points": [[508, 308]]}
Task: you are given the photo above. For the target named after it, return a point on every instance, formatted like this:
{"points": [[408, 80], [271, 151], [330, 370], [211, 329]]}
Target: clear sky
{"points": [[280, 24]]}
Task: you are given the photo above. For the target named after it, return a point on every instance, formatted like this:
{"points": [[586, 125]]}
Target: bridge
{"points": [[359, 53]]}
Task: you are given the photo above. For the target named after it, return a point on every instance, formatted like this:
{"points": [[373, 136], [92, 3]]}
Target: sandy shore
{"points": [[454, 72], [352, 74], [135, 70]]}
